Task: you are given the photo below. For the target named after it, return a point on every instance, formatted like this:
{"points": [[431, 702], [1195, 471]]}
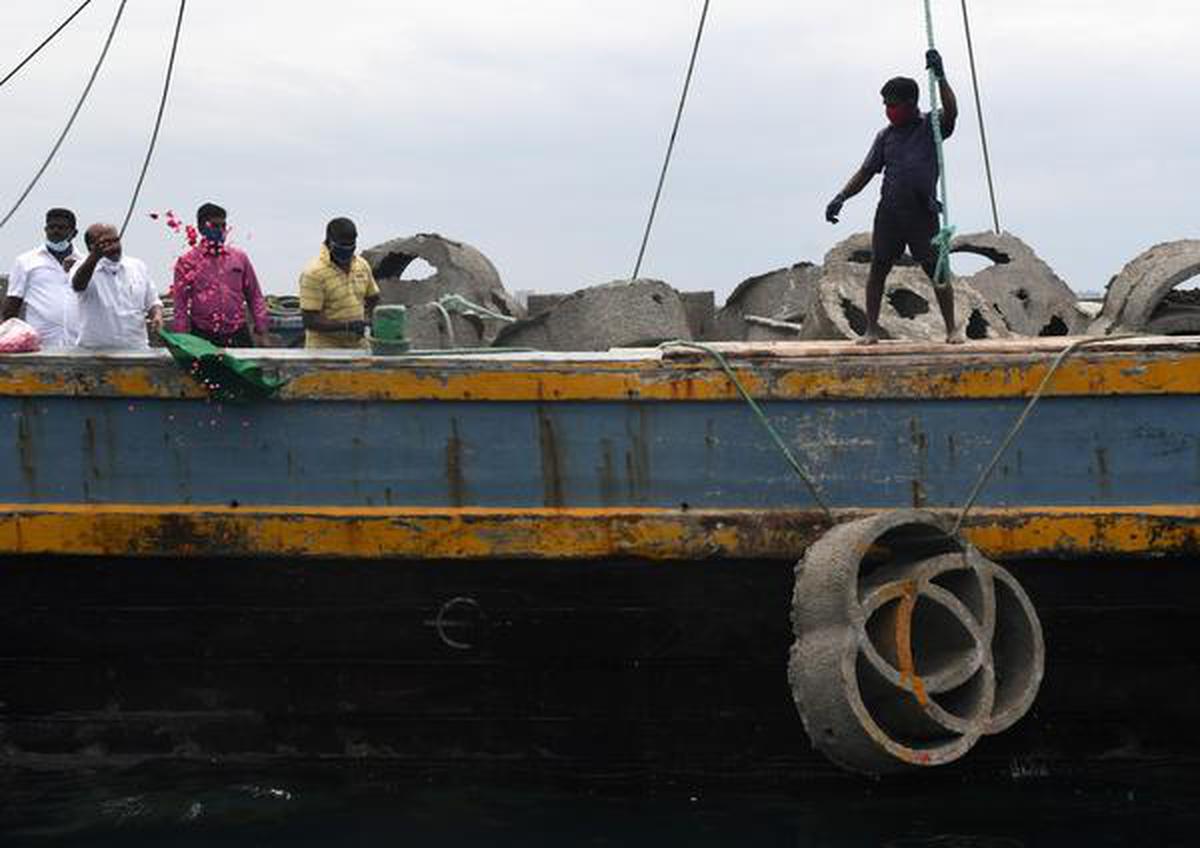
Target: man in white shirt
{"points": [[117, 299], [39, 290]]}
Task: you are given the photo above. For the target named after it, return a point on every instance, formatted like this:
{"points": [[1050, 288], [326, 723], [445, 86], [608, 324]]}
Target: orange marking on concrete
{"points": [[904, 651]]}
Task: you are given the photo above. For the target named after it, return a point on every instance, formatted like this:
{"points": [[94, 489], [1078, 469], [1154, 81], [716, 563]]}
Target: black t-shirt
{"points": [[907, 156]]}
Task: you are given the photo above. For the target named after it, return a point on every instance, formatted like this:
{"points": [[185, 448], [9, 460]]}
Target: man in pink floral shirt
{"points": [[214, 283]]}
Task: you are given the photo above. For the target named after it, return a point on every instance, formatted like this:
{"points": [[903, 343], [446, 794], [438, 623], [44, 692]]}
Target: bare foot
{"points": [[956, 337], [867, 339]]}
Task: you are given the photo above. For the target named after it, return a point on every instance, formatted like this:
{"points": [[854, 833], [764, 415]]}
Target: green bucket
{"points": [[389, 330]]}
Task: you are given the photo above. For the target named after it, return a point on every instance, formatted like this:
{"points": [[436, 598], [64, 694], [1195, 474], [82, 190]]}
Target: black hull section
{"points": [[587, 669]]}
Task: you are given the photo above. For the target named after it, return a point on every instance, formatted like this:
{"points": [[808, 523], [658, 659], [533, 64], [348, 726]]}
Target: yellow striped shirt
{"points": [[338, 296]]}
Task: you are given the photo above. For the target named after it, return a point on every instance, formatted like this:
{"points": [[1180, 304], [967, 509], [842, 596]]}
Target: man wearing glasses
{"points": [[338, 292]]}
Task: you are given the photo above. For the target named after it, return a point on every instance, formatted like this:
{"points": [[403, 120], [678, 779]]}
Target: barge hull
{"points": [[583, 666]]}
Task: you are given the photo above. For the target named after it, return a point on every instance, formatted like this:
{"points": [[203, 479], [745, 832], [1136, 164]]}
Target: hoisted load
{"points": [[909, 645]]}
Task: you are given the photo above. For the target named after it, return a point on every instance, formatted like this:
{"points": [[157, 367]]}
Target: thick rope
{"points": [[945, 235], [1062, 357], [162, 107], [71, 121], [49, 38], [448, 322], [458, 303], [987, 158], [662, 177], [763, 420]]}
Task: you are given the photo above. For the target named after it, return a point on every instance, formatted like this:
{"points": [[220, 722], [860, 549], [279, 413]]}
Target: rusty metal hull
{"points": [[634, 454], [561, 563]]}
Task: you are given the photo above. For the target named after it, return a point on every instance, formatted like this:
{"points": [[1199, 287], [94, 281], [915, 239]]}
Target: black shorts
{"points": [[894, 231]]}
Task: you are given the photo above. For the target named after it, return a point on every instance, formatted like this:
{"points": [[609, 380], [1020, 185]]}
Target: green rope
{"points": [[945, 236], [1065, 354], [762, 419], [458, 303]]}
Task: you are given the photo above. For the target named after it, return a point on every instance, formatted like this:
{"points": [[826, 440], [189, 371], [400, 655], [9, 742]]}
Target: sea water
{"points": [[202, 806]]}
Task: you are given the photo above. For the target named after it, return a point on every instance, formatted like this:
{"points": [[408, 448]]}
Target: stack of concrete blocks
{"points": [[769, 307], [910, 310], [460, 269], [623, 313], [1142, 298], [1030, 297]]}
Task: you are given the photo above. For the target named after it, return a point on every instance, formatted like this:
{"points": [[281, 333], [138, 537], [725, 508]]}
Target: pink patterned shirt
{"points": [[211, 291]]}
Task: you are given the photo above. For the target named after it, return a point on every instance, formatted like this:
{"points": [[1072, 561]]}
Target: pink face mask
{"points": [[899, 114]]}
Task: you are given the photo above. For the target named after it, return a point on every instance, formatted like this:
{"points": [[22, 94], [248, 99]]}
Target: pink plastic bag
{"points": [[18, 337]]}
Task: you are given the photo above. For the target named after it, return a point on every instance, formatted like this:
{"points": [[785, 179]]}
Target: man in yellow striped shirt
{"points": [[338, 292]]}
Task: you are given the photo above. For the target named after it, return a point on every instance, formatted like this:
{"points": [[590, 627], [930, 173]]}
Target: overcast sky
{"points": [[534, 129]]}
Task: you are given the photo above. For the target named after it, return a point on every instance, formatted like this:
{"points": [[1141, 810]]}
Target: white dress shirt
{"points": [[51, 307], [114, 306]]}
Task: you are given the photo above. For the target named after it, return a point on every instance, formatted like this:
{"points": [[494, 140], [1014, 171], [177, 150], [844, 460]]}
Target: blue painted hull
{"points": [[1095, 451]]}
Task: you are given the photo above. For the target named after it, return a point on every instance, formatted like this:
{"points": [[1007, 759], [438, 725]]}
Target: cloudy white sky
{"points": [[534, 129]]}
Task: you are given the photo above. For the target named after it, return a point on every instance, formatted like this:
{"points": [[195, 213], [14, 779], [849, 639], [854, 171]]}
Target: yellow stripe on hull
{"points": [[982, 370], [552, 534]]}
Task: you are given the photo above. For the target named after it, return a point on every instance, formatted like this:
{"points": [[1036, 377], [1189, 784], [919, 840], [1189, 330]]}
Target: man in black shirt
{"points": [[908, 208]]}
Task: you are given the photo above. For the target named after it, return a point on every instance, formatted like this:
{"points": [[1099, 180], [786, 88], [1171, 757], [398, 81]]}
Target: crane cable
{"points": [[162, 107], [662, 177], [987, 158], [71, 121], [48, 39]]}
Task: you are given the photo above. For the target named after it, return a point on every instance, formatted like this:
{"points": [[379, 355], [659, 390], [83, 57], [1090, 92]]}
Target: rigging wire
{"points": [[71, 121], [49, 38], [987, 159], [662, 177], [162, 107]]}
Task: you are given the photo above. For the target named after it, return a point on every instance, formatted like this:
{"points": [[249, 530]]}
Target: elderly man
{"points": [[908, 209], [214, 283], [338, 292], [117, 299], [39, 289]]}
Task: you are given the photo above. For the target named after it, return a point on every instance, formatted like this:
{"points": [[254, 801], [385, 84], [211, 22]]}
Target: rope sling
{"points": [[945, 235]]}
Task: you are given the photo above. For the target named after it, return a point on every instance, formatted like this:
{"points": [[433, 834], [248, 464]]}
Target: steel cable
{"points": [[48, 39], [162, 107], [662, 177], [71, 121], [987, 158]]}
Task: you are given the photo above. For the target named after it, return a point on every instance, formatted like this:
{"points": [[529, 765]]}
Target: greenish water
{"points": [[179, 806]]}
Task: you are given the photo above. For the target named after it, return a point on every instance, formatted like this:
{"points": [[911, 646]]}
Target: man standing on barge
{"points": [[39, 289], [906, 152], [117, 299], [338, 292], [214, 284]]}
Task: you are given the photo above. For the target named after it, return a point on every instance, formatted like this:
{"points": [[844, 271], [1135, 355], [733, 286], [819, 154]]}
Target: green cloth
{"points": [[226, 377]]}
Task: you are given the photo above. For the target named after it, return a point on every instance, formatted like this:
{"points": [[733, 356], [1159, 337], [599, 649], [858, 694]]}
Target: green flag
{"points": [[226, 377]]}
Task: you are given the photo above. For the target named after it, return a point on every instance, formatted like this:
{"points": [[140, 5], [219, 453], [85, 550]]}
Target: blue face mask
{"points": [[342, 253], [63, 246], [214, 234]]}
